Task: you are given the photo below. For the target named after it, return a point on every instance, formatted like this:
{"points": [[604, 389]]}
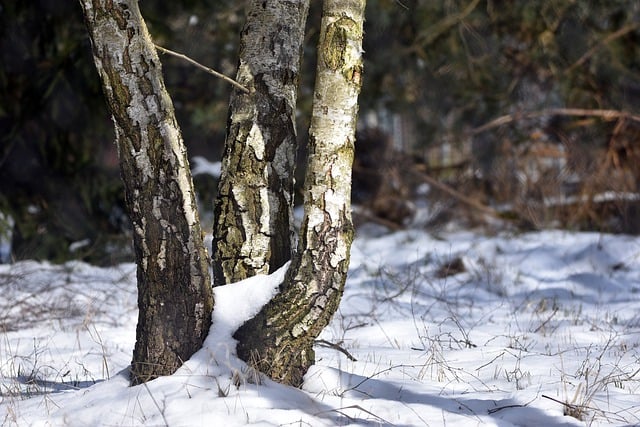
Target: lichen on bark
{"points": [[174, 286], [279, 340], [253, 229]]}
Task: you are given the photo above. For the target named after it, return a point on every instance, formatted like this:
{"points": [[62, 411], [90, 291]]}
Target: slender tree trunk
{"points": [[279, 339], [253, 230], [174, 286]]}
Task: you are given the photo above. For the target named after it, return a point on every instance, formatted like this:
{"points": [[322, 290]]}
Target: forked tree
{"points": [[279, 340], [253, 231], [253, 212]]}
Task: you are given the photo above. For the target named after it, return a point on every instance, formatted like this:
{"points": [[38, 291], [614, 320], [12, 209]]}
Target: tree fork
{"points": [[279, 340]]}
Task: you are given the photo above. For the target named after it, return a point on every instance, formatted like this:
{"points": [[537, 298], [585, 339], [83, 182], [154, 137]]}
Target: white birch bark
{"points": [[279, 339], [253, 230], [174, 285]]}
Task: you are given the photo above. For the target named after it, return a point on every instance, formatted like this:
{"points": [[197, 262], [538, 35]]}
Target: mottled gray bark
{"points": [[174, 285], [279, 340], [253, 229]]}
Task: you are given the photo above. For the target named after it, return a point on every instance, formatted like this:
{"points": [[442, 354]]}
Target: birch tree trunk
{"points": [[279, 340], [174, 287], [253, 229]]}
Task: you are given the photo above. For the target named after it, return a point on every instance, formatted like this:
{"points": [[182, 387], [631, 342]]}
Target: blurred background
{"points": [[496, 115]]}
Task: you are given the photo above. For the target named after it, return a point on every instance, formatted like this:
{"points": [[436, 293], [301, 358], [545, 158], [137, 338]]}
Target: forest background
{"points": [[520, 114]]}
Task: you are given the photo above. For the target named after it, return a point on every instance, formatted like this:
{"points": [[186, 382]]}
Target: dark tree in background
{"points": [[452, 67], [58, 167], [59, 175]]}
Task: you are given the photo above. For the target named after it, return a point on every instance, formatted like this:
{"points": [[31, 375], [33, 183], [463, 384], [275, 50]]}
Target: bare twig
{"points": [[370, 216], [435, 31], [204, 68], [404, 6], [491, 361], [588, 54], [500, 408], [358, 407], [334, 346], [459, 196], [543, 324], [580, 112], [568, 405], [155, 402]]}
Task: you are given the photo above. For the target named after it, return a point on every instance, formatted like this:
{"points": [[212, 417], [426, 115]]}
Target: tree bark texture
{"points": [[174, 284], [279, 340], [253, 229]]}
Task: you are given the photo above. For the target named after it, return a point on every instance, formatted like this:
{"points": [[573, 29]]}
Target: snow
{"points": [[202, 166], [531, 321]]}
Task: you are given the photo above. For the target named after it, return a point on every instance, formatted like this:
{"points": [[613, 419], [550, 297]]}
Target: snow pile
{"points": [[202, 166]]}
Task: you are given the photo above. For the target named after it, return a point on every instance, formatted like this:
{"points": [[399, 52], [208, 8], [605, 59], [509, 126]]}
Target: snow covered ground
{"points": [[458, 330]]}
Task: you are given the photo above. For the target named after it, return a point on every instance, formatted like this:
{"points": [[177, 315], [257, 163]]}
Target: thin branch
{"points": [[334, 346], [404, 6], [358, 407], [445, 24], [458, 195], [568, 405], [494, 410], [500, 408], [588, 54], [581, 112], [543, 324], [204, 68], [370, 216], [155, 402]]}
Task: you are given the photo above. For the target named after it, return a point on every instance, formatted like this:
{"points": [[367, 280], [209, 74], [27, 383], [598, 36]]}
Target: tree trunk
{"points": [[279, 340], [253, 230], [174, 288]]}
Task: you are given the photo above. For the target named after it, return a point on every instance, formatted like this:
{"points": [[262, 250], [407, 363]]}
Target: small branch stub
{"points": [[203, 67]]}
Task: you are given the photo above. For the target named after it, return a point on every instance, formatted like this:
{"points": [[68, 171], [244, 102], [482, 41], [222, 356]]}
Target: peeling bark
{"points": [[279, 340], [253, 230], [174, 285]]}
